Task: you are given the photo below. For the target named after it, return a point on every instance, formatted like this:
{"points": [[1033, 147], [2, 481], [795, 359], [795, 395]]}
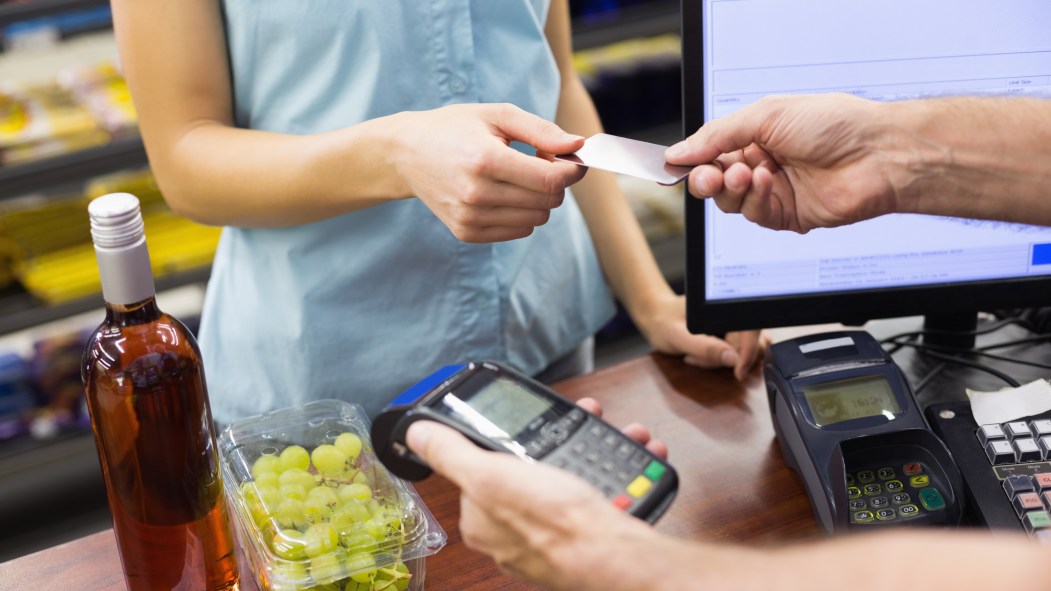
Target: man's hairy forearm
{"points": [[986, 158]]}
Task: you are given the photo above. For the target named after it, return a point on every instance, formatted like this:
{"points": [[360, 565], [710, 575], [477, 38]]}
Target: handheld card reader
{"points": [[848, 424], [501, 409]]}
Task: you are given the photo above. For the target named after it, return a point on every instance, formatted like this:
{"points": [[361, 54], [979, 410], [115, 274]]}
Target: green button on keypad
{"points": [[654, 471], [931, 499]]}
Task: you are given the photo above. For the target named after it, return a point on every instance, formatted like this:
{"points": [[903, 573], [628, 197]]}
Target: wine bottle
{"points": [[153, 428]]}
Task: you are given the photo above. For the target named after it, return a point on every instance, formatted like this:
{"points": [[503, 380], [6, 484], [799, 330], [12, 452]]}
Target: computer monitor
{"points": [[741, 276]]}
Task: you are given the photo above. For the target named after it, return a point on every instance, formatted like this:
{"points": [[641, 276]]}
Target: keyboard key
{"points": [[1016, 429], [913, 468], [853, 492], [1045, 446], [1000, 451], [862, 517], [1026, 502], [908, 511], [886, 514], [1027, 450], [1042, 481], [901, 499], [1036, 520], [931, 499], [919, 481], [1017, 484], [858, 504], [894, 486], [1040, 427], [872, 490], [878, 502], [986, 433], [622, 502], [866, 476], [885, 473], [655, 470], [640, 486]]}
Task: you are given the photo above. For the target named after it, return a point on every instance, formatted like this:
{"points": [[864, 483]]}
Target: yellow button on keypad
{"points": [[640, 486]]}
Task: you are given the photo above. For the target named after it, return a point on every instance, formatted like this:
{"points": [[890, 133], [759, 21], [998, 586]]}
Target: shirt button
{"points": [[457, 85]]}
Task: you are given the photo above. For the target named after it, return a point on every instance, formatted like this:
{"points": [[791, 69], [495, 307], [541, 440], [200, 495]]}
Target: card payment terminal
{"points": [[848, 424], [503, 410]]}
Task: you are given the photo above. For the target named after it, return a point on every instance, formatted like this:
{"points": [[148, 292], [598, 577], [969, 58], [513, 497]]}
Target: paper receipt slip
{"points": [[627, 156]]}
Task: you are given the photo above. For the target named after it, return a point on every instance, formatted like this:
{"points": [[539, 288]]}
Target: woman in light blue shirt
{"points": [[378, 221]]}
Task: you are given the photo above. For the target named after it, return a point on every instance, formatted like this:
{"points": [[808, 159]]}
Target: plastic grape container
{"points": [[314, 509]]}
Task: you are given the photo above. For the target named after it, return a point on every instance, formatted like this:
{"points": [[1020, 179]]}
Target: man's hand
{"points": [[795, 162], [458, 160], [538, 522]]}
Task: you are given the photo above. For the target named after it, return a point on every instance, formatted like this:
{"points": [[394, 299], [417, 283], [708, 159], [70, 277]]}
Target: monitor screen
{"points": [[740, 275]]}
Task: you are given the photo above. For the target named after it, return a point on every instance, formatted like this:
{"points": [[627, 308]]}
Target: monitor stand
{"points": [[954, 331]]}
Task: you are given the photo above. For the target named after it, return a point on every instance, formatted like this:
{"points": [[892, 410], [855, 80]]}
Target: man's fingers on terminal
{"points": [[444, 450]]}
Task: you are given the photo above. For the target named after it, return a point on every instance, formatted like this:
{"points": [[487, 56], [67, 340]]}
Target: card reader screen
{"points": [[843, 400], [507, 405]]}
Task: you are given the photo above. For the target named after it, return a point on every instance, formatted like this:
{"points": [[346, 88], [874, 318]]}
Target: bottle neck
{"points": [[127, 279], [142, 312]]}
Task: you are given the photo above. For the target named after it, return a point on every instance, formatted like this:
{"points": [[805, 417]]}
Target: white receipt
{"points": [[1009, 404]]}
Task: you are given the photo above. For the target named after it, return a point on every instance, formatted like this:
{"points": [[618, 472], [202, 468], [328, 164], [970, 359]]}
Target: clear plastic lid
{"points": [[313, 505]]}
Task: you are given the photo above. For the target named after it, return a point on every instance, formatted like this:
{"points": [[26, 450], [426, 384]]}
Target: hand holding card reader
{"points": [[501, 409], [848, 424]]}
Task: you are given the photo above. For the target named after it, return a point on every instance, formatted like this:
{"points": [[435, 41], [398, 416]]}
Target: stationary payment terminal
{"points": [[848, 424], [503, 410]]}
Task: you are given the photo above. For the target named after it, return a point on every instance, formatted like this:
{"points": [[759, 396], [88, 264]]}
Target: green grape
{"points": [[357, 541], [290, 513], [355, 491], [270, 497], [321, 538], [290, 575], [314, 513], [294, 456], [266, 463], [349, 444], [356, 510], [353, 585], [374, 506], [362, 567], [392, 578], [289, 544], [326, 567], [376, 529], [328, 459], [267, 479], [323, 495], [293, 491], [298, 477]]}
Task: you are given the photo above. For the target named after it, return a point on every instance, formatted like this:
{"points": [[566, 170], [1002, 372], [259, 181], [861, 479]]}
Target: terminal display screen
{"points": [[853, 398], [503, 404]]}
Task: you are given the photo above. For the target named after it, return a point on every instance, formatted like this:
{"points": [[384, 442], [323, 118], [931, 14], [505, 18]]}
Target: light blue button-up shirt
{"points": [[361, 306]]}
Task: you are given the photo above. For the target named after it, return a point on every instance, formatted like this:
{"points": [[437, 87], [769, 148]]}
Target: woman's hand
{"points": [[458, 160], [664, 326]]}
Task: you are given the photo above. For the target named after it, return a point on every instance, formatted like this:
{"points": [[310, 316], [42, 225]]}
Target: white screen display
{"points": [[886, 51]]}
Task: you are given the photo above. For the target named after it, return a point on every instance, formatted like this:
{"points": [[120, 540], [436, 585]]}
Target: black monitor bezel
{"points": [[848, 307]]}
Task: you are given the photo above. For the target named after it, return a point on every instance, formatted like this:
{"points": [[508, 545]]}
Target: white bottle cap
{"points": [[120, 248]]}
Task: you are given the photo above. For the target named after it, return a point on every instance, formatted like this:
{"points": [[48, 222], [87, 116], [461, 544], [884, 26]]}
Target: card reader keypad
{"points": [[619, 468], [1020, 455], [886, 494]]}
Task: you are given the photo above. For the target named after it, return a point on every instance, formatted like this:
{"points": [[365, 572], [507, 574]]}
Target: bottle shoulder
{"points": [[118, 344]]}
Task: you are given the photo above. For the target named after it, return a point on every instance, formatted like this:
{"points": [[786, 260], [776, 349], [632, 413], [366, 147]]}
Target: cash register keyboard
{"points": [[1020, 455]]}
